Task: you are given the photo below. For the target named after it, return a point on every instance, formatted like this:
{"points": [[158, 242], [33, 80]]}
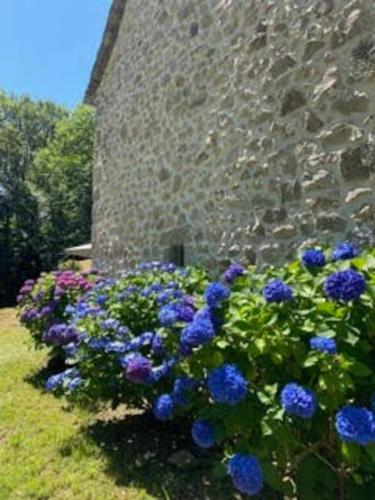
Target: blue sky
{"points": [[48, 47]]}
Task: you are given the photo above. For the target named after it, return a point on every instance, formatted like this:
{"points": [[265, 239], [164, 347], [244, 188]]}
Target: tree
{"points": [[25, 126], [63, 175], [45, 186]]}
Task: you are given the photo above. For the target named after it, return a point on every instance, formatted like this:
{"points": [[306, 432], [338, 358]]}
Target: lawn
{"points": [[50, 451]]}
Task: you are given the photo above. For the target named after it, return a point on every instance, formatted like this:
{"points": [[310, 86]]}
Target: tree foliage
{"points": [[62, 173], [40, 140]]}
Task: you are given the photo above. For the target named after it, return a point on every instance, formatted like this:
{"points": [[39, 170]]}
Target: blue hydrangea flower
{"points": [[116, 346], [161, 371], [157, 345], [185, 313], [313, 258], [246, 474], [139, 370], [323, 344], [215, 293], [345, 285], [203, 433], [181, 388], [53, 382], [168, 315], [277, 291], [298, 400], [82, 310], [142, 340], [101, 299], [208, 313], [98, 344], [164, 297], [344, 251], [66, 376], [356, 425], [373, 402], [227, 385], [123, 331], [110, 324], [168, 267], [234, 271], [197, 333], [125, 360], [74, 383], [70, 350], [70, 310], [155, 287], [163, 407]]}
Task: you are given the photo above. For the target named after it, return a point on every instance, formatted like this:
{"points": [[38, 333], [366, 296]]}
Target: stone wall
{"points": [[237, 128]]}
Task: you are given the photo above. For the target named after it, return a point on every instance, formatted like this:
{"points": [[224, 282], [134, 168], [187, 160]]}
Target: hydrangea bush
{"points": [[42, 305], [123, 352], [275, 368]]}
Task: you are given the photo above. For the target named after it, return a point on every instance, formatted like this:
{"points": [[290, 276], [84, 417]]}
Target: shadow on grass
{"points": [[38, 379], [159, 458]]}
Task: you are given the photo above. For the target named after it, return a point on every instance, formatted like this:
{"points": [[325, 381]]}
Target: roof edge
{"points": [[111, 32]]}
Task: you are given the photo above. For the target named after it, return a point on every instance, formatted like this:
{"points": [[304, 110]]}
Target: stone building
{"points": [[233, 129]]}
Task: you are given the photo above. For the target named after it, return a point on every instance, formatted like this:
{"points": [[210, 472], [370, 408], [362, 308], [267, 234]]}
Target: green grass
{"points": [[50, 451]]}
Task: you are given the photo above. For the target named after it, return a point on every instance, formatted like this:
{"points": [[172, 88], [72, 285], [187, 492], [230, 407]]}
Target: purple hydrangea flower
{"points": [[344, 251], [234, 271], [60, 335], [188, 300], [29, 315], [139, 370], [216, 293], [246, 474], [313, 258], [227, 385], [298, 400], [323, 344], [277, 291], [163, 407], [203, 433], [356, 425], [345, 285]]}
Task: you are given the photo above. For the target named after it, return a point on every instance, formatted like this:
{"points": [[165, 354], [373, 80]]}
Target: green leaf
{"points": [[273, 477], [311, 360], [351, 452], [219, 471]]}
